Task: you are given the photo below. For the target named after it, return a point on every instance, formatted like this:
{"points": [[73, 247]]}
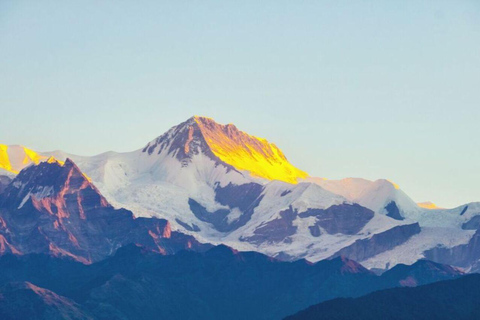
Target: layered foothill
{"points": [[221, 283]]}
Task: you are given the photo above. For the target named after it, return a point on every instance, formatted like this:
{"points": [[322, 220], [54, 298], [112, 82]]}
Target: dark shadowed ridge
{"points": [[23, 300], [221, 283], [453, 299]]}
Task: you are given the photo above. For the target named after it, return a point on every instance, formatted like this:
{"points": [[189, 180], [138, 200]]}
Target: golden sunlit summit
{"points": [[245, 152], [15, 158]]}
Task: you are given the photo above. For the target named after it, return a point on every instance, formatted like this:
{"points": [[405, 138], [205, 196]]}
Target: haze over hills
{"points": [[222, 185], [221, 283]]}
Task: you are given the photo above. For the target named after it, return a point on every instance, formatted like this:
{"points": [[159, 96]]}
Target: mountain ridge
{"points": [[448, 299], [220, 283], [179, 177]]}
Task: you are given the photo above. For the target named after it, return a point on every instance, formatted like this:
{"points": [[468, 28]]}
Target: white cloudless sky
{"points": [[372, 89]]}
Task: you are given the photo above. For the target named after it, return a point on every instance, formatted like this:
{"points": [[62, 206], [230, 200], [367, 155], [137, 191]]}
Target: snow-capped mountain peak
{"points": [[428, 205], [182, 141], [225, 186], [227, 145], [47, 183]]}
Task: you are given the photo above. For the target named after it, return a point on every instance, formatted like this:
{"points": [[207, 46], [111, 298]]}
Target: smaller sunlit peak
{"points": [[428, 205], [52, 159]]}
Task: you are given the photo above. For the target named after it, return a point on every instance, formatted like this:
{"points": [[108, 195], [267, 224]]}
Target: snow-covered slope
{"points": [[225, 186], [222, 185], [386, 197], [375, 195], [445, 228]]}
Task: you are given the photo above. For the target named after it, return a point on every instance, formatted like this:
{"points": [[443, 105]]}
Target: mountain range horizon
{"points": [[34, 156], [222, 185], [208, 207], [259, 160]]}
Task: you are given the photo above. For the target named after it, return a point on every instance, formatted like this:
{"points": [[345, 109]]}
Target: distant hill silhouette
{"points": [[457, 299]]}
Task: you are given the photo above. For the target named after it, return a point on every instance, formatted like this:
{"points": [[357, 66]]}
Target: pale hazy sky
{"points": [[373, 89]]}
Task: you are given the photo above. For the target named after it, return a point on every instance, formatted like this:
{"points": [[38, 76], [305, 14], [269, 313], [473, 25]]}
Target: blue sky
{"points": [[373, 89]]}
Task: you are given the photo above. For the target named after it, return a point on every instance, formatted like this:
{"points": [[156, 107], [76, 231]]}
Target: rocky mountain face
{"points": [[221, 283], [4, 182], [466, 255], [54, 208], [364, 249]]}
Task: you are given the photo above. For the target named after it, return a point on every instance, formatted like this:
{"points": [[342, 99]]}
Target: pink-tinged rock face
{"points": [[54, 208]]}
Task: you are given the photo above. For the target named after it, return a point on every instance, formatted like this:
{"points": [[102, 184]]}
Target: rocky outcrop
{"points": [[276, 230], [183, 141], [343, 218], [4, 182], [465, 255], [363, 249], [242, 198], [393, 211], [472, 224]]}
